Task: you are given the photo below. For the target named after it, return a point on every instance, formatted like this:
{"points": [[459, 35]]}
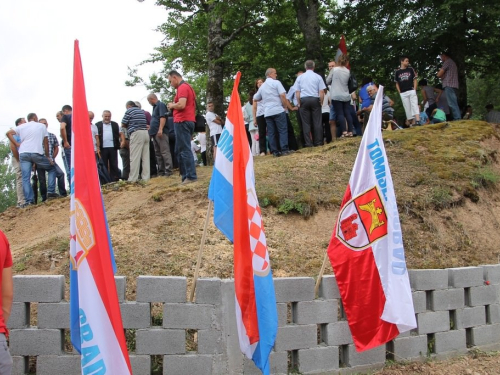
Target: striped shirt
{"points": [[135, 119], [450, 78], [53, 143]]}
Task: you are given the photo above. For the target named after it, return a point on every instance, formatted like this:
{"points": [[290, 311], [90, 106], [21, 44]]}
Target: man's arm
{"points": [[7, 292], [297, 96], [286, 103], [55, 152], [330, 77], [46, 148], [163, 121], [64, 136], [180, 105], [440, 92], [10, 134], [321, 96], [441, 73], [397, 87], [424, 97]]}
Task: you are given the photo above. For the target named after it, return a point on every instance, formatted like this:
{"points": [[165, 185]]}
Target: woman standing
{"points": [[341, 97], [252, 126], [258, 118]]}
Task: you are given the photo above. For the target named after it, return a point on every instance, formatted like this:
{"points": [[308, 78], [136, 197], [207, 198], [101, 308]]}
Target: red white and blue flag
{"points": [[95, 318], [342, 50], [237, 214], [366, 249]]}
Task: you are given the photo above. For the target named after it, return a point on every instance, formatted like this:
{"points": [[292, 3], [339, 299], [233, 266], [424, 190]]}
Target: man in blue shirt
{"points": [[160, 139]]}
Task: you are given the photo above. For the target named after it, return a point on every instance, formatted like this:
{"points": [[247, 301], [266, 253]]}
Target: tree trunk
{"points": [[308, 20]]}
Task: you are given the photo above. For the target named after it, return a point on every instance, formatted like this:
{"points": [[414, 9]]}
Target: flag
{"points": [[95, 318], [237, 214], [342, 50], [366, 249]]}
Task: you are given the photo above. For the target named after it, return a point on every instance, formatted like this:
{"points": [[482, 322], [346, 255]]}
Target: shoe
{"points": [[262, 154], [285, 153], [188, 181], [167, 174], [52, 195], [277, 154]]}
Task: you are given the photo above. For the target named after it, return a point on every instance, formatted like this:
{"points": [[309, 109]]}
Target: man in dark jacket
{"points": [[109, 142]]}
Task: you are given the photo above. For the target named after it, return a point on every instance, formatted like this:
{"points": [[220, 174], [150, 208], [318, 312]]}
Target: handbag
{"points": [[352, 83]]}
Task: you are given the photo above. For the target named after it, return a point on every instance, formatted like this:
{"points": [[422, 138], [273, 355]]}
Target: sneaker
{"points": [[168, 174], [262, 154], [277, 154], [285, 153], [52, 195], [188, 181]]}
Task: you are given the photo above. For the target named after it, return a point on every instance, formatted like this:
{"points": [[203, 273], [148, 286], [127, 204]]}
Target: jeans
{"points": [[5, 357], [67, 163], [451, 96], [183, 133], [42, 183], [343, 114], [277, 127], [27, 160]]}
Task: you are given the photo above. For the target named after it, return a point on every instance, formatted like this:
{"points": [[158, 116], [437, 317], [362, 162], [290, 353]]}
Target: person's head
{"points": [[404, 61], [130, 104], [489, 107], [331, 65], [44, 121], [152, 99], [371, 90], [271, 73], [309, 65], [422, 82], [258, 83], [174, 78], [366, 80], [444, 56], [342, 60], [299, 73], [59, 116], [32, 117], [210, 106], [91, 116], [138, 104], [66, 109], [106, 116], [20, 121]]}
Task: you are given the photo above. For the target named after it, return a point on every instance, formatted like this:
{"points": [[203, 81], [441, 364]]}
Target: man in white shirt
{"points": [[33, 149], [109, 140], [214, 124]]}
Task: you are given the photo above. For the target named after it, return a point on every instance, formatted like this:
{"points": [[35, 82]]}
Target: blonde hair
{"points": [[343, 60]]}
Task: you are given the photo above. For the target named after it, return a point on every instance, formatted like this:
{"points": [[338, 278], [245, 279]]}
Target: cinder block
{"points": [[168, 289], [278, 362], [19, 365], [58, 365], [294, 289], [484, 295], [160, 341], [33, 342], [293, 337], [328, 289], [208, 291], [53, 315], [282, 309], [451, 341], [470, 317], [319, 359], [431, 322], [121, 285], [485, 335], [338, 334], [491, 273], [19, 315], [419, 302], [316, 312], [135, 315], [370, 357], [188, 315], [448, 299], [210, 341], [187, 364], [141, 364], [465, 277], [29, 288], [411, 347], [494, 312], [428, 279]]}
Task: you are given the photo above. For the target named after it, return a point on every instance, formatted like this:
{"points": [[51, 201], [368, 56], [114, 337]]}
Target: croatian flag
{"points": [[366, 248], [342, 50], [95, 318], [237, 214]]}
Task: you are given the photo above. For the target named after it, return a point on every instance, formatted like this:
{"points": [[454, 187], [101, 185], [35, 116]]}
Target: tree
{"points": [[8, 196]]}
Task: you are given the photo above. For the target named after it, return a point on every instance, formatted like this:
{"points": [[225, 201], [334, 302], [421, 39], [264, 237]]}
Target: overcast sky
{"points": [[36, 55]]}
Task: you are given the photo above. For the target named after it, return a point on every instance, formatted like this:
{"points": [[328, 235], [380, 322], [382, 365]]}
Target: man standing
{"points": [[159, 134], [6, 298], [292, 97], [273, 96], [66, 134], [406, 84], [183, 106], [53, 152], [214, 124], [135, 122], [332, 118], [16, 166], [95, 135], [449, 76], [33, 149], [109, 140], [310, 94]]}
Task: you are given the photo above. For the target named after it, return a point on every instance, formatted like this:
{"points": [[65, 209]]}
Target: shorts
{"points": [[333, 116], [215, 139]]}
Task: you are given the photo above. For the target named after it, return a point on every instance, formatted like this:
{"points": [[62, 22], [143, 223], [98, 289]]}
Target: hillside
{"points": [[445, 178]]}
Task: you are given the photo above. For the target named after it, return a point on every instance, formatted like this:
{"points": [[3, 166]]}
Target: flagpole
{"points": [[320, 276], [202, 245]]}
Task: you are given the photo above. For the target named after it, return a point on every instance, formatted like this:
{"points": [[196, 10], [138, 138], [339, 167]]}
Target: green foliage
{"points": [[485, 177], [8, 196]]}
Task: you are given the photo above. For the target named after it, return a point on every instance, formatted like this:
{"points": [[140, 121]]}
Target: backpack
{"points": [[352, 84]]}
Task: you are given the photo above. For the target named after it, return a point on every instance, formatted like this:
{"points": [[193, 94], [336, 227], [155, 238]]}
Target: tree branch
{"points": [[233, 35]]}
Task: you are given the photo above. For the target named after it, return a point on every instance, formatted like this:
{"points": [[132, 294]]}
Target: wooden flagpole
{"points": [[321, 272], [200, 251]]}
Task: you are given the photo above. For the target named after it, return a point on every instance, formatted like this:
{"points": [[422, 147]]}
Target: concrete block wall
{"points": [[455, 309]]}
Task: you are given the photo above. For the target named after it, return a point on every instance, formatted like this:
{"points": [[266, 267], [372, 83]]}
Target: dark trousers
{"points": [[262, 126], [42, 182], [125, 155], [310, 110], [292, 140], [343, 113], [109, 156], [325, 117]]}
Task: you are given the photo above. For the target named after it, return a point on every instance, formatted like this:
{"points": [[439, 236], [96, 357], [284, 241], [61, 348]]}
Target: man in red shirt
{"points": [[183, 108], [6, 296]]}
